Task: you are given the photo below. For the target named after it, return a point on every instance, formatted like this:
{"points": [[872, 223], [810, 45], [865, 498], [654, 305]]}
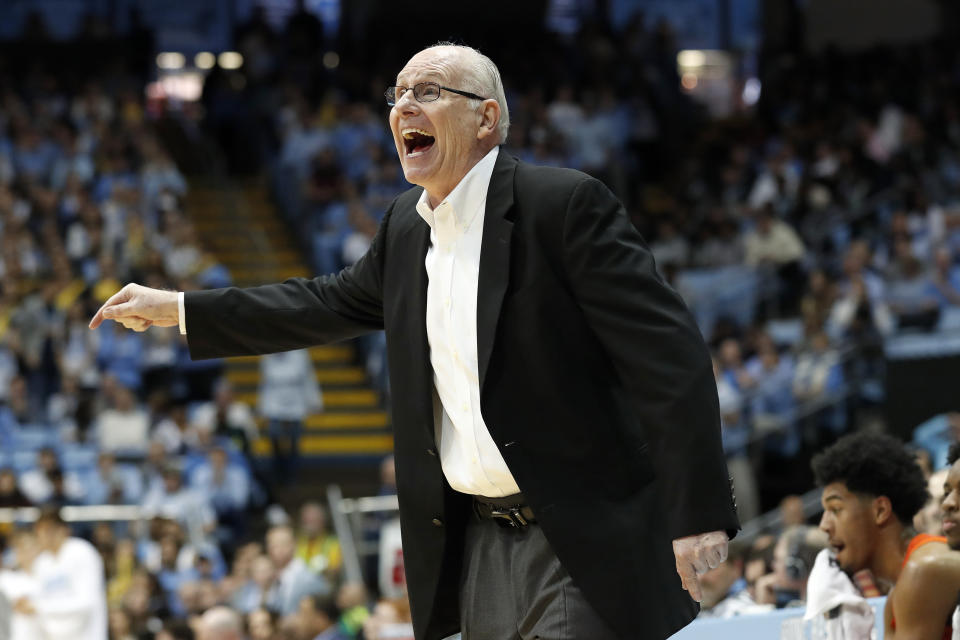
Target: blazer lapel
{"points": [[494, 258]]}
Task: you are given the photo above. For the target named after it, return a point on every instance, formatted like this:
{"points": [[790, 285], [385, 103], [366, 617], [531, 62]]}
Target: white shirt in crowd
{"points": [[470, 459], [15, 585], [71, 598], [123, 430], [36, 486], [288, 386]]}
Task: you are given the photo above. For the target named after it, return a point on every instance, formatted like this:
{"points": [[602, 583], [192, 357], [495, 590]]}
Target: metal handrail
{"points": [[340, 508], [85, 513]]}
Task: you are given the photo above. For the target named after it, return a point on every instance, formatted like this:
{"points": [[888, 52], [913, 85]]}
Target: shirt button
{"points": [[446, 303], [464, 407], [437, 522]]}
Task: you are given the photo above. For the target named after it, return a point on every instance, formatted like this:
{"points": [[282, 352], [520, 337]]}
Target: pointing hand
{"points": [[139, 308]]}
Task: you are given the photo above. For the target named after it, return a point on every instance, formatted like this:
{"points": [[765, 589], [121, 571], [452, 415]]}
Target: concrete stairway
{"points": [[245, 232]]}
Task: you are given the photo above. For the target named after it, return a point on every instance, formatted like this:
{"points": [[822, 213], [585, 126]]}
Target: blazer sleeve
{"points": [[659, 354], [294, 314]]}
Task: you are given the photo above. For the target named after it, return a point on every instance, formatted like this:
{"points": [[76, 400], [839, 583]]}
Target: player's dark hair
{"points": [[954, 453], [875, 465]]}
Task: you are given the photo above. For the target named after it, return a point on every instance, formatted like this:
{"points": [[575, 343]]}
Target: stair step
{"points": [[234, 264], [323, 353], [335, 445], [237, 254], [343, 420], [282, 273], [342, 375], [333, 399]]}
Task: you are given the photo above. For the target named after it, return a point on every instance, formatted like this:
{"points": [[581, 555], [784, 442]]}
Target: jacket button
{"points": [[432, 452], [437, 522]]}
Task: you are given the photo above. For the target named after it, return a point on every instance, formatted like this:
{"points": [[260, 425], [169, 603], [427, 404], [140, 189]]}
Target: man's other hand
{"points": [[139, 308], [698, 554]]}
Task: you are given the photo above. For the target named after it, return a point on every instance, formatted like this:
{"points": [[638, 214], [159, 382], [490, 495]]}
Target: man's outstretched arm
{"points": [[234, 321]]}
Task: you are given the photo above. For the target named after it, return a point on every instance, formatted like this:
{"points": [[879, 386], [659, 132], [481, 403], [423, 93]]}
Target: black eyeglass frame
{"points": [[391, 93]]}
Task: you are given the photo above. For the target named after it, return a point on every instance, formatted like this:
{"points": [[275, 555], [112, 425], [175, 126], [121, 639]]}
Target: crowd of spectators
{"points": [[163, 576]]}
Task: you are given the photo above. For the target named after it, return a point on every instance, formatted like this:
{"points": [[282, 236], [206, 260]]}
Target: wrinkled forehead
{"points": [[439, 65]]}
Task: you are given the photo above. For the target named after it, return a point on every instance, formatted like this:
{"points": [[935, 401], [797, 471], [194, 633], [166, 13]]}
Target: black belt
{"points": [[509, 512]]}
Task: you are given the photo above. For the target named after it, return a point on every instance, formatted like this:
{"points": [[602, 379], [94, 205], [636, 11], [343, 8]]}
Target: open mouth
{"points": [[417, 141]]}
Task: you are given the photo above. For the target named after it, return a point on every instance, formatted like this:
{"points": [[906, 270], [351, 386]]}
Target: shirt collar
{"points": [[467, 196]]}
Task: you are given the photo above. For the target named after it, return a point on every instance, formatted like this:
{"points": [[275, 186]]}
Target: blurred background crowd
{"points": [[805, 201]]}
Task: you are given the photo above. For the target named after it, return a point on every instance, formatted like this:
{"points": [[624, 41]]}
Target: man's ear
{"points": [[882, 510], [489, 119]]}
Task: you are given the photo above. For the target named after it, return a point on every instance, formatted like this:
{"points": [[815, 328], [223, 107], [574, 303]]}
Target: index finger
{"points": [[117, 298]]}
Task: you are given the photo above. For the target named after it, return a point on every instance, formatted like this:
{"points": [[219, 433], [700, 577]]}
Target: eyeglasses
{"points": [[423, 92]]}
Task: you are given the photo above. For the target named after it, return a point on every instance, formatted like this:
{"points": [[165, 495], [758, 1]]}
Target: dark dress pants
{"points": [[514, 588]]}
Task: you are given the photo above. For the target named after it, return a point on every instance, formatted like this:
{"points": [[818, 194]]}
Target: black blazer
{"points": [[595, 384]]}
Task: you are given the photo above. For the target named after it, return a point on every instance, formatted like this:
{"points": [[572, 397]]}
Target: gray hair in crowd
{"points": [[486, 81], [221, 623]]}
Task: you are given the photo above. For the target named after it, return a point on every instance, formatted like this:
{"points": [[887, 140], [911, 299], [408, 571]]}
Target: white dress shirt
{"points": [[470, 459]]}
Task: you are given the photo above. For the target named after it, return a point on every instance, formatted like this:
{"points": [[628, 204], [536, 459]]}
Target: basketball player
{"points": [[950, 506], [872, 488]]}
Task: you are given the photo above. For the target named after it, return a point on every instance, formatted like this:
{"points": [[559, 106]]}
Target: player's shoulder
{"points": [[932, 563]]}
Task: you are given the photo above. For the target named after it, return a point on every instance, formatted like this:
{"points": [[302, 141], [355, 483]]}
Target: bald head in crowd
{"points": [[220, 623]]}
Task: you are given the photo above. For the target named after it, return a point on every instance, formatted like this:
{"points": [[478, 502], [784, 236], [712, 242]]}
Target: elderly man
{"points": [[557, 435], [220, 623]]}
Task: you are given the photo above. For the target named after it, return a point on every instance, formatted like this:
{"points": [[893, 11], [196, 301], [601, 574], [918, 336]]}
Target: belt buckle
{"points": [[509, 517]]}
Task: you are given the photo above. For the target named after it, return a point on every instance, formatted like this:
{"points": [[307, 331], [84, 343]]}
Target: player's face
{"points": [[950, 505], [847, 520]]}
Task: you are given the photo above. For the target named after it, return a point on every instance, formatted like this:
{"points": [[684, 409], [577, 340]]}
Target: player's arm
{"points": [[925, 597]]}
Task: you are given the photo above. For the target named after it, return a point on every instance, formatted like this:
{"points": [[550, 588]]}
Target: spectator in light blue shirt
{"points": [[227, 487], [112, 484]]}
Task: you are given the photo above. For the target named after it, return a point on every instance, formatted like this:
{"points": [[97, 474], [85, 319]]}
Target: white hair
{"points": [[485, 78], [221, 623]]}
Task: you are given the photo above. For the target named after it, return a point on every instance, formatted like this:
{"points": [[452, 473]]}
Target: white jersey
{"points": [[71, 599], [15, 585]]}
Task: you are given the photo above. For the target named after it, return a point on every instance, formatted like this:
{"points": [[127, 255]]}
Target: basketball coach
{"points": [[557, 434]]}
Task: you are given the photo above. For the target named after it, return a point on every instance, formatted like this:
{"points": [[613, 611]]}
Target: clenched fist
{"points": [[698, 554], [139, 308]]}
